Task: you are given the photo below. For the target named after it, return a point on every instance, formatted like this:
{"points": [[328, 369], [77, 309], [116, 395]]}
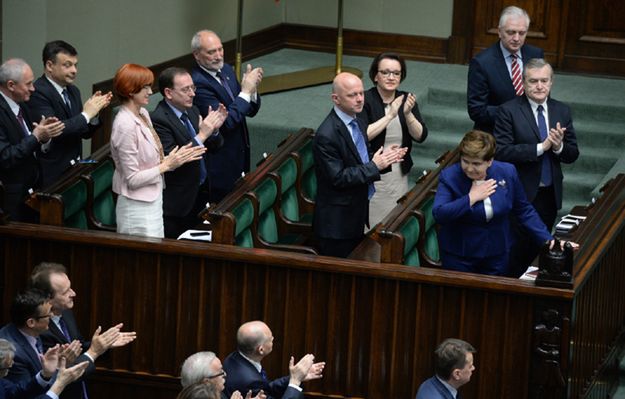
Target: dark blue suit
{"points": [[489, 84], [24, 390], [26, 363], [342, 204], [467, 241], [243, 376], [47, 101], [226, 164], [432, 388]]}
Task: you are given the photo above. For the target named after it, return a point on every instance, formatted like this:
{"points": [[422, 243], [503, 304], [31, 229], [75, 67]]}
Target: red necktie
{"points": [[517, 82]]}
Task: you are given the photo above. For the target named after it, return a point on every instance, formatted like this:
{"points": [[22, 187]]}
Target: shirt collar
{"points": [[12, 104], [535, 105], [173, 108], [254, 363], [209, 71], [454, 391], [57, 86], [506, 52], [343, 116]]}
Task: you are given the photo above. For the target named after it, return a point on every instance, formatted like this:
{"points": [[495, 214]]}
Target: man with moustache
{"points": [[56, 95]]}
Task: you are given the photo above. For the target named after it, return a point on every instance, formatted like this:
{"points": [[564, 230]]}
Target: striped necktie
{"points": [[517, 82]]}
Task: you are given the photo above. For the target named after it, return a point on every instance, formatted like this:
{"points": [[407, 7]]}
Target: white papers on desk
{"points": [[196, 235], [530, 274]]}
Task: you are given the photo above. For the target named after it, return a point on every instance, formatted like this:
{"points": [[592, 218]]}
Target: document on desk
{"points": [[196, 235]]}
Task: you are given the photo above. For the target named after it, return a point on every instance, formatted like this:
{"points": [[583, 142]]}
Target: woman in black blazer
{"points": [[392, 117]]}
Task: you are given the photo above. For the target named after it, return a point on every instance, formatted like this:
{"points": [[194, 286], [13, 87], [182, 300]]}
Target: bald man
{"points": [[345, 170], [244, 369]]}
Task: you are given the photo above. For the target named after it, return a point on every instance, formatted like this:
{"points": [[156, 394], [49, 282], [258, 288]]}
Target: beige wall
{"points": [[410, 17]]}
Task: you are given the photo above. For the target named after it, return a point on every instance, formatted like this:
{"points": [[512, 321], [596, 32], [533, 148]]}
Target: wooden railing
{"points": [[374, 324]]}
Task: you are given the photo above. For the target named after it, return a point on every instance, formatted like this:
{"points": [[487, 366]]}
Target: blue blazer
{"points": [[489, 84], [464, 230], [517, 135], [227, 163], [68, 146], [24, 390], [243, 376], [432, 388]]}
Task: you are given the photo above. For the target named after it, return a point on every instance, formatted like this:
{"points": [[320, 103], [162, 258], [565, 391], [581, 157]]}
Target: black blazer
{"points": [[517, 135], [243, 376], [374, 110], [489, 84], [342, 206], [18, 165], [181, 184], [67, 146]]}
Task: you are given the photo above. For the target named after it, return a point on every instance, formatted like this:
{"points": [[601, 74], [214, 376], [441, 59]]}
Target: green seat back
{"points": [[431, 238], [309, 179], [243, 213], [266, 192], [74, 202], [103, 203], [288, 199], [410, 231]]}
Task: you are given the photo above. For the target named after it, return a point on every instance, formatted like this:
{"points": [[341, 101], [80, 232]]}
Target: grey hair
{"points": [[195, 40], [513, 11], [195, 368], [7, 350], [12, 69], [536, 63]]}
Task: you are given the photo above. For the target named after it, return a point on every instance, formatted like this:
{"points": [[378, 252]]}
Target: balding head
{"points": [[348, 93], [208, 50], [255, 340]]}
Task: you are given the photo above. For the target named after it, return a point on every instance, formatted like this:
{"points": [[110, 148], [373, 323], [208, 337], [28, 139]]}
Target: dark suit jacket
{"points": [[374, 110], [226, 165], [342, 206], [181, 184], [243, 376], [464, 230], [26, 362], [517, 135], [432, 388], [68, 146], [24, 390], [489, 84], [18, 166]]}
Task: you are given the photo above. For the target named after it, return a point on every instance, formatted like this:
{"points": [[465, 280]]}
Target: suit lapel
{"points": [[223, 94], [176, 123], [502, 68], [526, 111], [56, 332], [347, 137], [17, 132], [58, 98]]}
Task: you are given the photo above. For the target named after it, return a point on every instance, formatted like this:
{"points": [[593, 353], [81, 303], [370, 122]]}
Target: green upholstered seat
{"points": [[266, 193], [288, 199], [430, 244], [74, 202], [243, 213], [410, 232], [103, 202], [308, 179]]}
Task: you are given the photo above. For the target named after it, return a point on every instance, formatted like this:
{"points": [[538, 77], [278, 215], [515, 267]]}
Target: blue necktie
{"points": [[20, 119], [187, 123], [64, 329], [66, 98], [361, 146], [39, 345], [263, 375], [545, 174], [225, 85]]}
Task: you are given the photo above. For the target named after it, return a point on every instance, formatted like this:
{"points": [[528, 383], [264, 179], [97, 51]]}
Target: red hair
{"points": [[130, 79]]}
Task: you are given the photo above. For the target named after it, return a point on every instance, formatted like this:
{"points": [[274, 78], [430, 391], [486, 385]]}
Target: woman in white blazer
{"points": [[138, 156]]}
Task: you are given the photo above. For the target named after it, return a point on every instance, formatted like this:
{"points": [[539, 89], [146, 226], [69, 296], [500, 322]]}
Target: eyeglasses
{"points": [[217, 375], [387, 74], [187, 89]]}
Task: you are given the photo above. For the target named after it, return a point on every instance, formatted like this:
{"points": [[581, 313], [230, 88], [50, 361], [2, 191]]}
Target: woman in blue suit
{"points": [[473, 204]]}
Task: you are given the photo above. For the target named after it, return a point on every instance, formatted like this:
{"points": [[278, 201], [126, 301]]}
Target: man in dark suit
{"points": [[217, 84], [453, 362], [244, 369], [205, 367], [35, 387], [55, 95], [178, 123], [536, 134], [495, 73], [20, 140], [52, 279], [345, 171]]}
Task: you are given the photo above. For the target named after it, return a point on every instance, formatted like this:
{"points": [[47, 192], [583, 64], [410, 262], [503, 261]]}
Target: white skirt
{"points": [[140, 218]]}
